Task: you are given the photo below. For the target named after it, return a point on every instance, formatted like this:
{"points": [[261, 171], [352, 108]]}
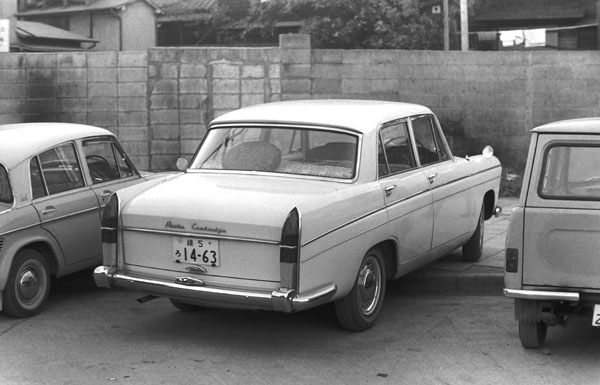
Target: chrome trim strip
{"points": [[20, 228], [201, 235], [68, 215], [542, 295]]}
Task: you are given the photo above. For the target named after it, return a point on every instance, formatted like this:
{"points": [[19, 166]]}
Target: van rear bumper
{"points": [[542, 295]]}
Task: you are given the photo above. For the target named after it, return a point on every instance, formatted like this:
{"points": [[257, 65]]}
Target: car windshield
{"points": [[299, 151], [5, 191]]}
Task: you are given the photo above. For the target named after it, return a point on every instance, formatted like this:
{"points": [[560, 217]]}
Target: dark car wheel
{"points": [[28, 285], [358, 311], [473, 249], [532, 333]]}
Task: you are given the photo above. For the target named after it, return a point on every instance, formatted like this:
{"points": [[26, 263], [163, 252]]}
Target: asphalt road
{"points": [[98, 336]]}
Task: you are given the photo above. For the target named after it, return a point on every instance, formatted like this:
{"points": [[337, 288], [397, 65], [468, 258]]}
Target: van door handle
{"points": [[388, 190], [48, 210], [431, 178]]}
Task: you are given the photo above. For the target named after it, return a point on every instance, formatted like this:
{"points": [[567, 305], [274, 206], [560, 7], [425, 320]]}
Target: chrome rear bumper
{"points": [[279, 300], [542, 295]]}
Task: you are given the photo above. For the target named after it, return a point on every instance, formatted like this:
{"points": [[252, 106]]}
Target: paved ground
{"points": [[451, 274]]}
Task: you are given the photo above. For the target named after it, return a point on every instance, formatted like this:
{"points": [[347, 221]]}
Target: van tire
{"points": [[532, 333]]}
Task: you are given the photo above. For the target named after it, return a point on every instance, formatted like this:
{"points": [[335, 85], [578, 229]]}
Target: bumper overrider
{"points": [[283, 300]]}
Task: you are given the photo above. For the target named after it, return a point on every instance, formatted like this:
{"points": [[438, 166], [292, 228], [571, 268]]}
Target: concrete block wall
{"points": [[160, 102]]}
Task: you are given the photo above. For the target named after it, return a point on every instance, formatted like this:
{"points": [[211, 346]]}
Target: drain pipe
{"points": [[115, 13]]}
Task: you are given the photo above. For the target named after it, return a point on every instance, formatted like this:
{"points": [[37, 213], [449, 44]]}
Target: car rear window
{"points": [[571, 172], [5, 190], [299, 151]]}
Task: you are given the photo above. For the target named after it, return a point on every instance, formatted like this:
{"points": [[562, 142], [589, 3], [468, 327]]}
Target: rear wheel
{"points": [[360, 308], [532, 333], [184, 306], [473, 249], [28, 285]]}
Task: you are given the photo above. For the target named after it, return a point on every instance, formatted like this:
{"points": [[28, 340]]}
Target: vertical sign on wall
{"points": [[4, 35]]}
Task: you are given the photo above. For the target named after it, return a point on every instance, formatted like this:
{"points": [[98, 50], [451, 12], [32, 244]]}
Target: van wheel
{"points": [[532, 333], [473, 249], [28, 285], [184, 306], [360, 308]]}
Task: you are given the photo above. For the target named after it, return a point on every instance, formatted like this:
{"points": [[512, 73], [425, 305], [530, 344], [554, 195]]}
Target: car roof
{"points": [[572, 126], [23, 140], [358, 115]]}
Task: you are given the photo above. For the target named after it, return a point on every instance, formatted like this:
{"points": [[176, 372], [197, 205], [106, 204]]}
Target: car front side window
{"points": [[60, 169], [104, 161], [430, 148]]}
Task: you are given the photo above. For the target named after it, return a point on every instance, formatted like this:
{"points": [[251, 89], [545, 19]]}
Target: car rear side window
{"points": [[60, 169], [5, 190], [571, 172], [394, 151]]}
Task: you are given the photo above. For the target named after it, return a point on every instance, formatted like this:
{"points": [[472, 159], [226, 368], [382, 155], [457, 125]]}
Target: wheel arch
{"points": [[389, 248], [489, 204]]}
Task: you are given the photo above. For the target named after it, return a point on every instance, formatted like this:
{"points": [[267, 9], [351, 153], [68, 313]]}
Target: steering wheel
{"points": [[100, 168]]}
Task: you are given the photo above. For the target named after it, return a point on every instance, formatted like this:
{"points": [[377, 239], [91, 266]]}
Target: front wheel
{"points": [[532, 333], [473, 249], [28, 285], [360, 308]]}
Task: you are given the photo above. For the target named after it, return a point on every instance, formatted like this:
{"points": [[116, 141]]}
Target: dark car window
{"points": [[38, 188], [61, 169], [5, 190], [429, 146], [394, 152], [105, 161]]}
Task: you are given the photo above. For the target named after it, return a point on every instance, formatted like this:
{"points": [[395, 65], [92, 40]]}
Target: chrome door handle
{"points": [[431, 178], [106, 193], [48, 210], [388, 190]]}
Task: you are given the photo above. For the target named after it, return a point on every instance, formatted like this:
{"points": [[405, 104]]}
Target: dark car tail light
{"points": [[512, 260], [110, 220], [289, 255]]}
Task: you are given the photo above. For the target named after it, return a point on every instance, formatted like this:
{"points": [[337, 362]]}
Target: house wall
{"points": [[160, 101], [139, 27]]}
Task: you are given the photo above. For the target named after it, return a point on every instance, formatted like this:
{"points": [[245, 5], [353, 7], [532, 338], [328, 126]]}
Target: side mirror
{"points": [[181, 164]]}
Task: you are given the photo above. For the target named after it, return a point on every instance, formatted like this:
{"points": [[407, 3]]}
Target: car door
{"points": [[452, 197], [407, 197], [108, 167], [68, 209]]}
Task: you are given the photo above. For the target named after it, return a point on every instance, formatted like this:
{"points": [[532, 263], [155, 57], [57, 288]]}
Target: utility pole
{"points": [[598, 24], [464, 25], [447, 26]]}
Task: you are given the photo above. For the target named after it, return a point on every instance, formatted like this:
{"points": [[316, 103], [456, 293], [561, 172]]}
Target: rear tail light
{"points": [[110, 220], [512, 260], [289, 255]]}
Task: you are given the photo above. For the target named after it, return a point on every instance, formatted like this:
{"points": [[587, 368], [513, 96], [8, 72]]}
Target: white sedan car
{"points": [[289, 205], [54, 180]]}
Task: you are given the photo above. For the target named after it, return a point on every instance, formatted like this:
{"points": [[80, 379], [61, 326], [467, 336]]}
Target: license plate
{"points": [[196, 250], [596, 316]]}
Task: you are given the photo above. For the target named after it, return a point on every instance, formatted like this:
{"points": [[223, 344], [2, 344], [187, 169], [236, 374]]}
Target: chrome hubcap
{"points": [[369, 285], [30, 285]]}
